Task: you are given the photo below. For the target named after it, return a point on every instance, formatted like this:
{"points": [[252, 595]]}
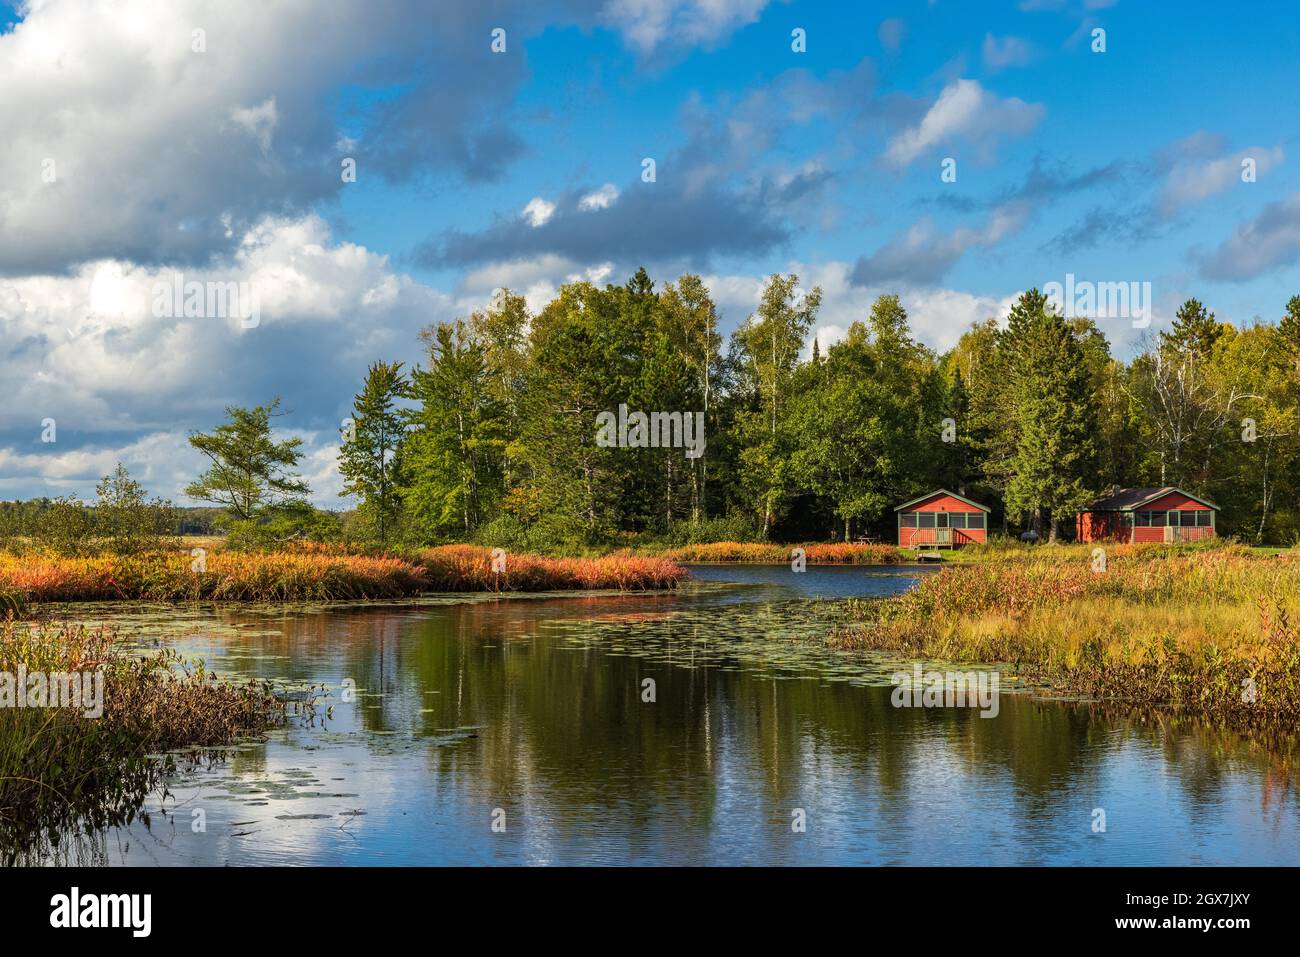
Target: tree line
{"points": [[493, 437], [496, 435]]}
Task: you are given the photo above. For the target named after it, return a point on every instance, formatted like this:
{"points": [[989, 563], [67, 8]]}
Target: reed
{"points": [[61, 766], [1211, 630], [769, 553], [470, 568], [222, 576]]}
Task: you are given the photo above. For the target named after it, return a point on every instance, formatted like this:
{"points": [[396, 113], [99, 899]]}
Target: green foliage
{"points": [[1053, 471], [126, 521], [250, 471], [370, 456]]}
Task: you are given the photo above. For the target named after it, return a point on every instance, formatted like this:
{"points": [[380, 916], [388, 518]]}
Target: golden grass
{"points": [[769, 553], [1210, 629]]}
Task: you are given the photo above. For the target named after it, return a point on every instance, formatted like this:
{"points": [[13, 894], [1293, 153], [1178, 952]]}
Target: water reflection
{"points": [[533, 708]]}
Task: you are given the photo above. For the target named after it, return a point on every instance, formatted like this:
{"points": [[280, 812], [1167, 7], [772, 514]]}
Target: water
{"points": [[529, 712]]}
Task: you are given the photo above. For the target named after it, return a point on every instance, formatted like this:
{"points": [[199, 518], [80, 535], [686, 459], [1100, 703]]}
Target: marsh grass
{"points": [[469, 568], [227, 576], [59, 767], [1203, 629], [769, 553]]}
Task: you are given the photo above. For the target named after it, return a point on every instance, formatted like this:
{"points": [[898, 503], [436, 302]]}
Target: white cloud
{"points": [[87, 350], [938, 315], [964, 111], [646, 25], [600, 198], [538, 211], [1193, 180]]}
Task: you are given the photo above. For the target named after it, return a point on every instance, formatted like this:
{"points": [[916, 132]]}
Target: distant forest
{"points": [[494, 437], [497, 436]]}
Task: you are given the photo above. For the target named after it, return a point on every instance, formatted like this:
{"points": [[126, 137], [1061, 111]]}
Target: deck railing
{"points": [[940, 536], [1188, 533]]}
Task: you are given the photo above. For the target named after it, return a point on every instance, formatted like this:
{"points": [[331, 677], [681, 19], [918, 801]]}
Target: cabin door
{"points": [[942, 533]]}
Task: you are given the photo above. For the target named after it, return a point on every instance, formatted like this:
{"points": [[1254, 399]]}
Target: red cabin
{"points": [[1148, 515], [941, 519]]}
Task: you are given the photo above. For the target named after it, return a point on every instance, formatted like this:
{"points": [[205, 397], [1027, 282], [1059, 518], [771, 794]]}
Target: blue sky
{"points": [[477, 170]]}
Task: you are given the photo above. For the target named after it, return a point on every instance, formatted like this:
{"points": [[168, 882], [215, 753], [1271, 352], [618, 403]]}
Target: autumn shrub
{"points": [[62, 765]]}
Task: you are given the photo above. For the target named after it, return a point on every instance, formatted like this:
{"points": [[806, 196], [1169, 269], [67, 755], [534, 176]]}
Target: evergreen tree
{"points": [[251, 473], [1053, 471], [454, 454], [369, 456]]}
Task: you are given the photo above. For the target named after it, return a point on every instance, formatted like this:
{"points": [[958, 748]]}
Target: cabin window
{"points": [[1143, 519], [925, 519], [909, 520], [1204, 518], [975, 521], [1189, 517], [1158, 518], [957, 520]]}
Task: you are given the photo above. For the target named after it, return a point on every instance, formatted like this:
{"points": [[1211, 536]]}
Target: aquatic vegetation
{"points": [[471, 568], [92, 766], [215, 576], [770, 553], [1212, 630]]}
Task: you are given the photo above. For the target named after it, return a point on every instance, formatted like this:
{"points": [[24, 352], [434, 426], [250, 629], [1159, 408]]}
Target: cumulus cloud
{"points": [[538, 212], [938, 316], [90, 350], [964, 111]]}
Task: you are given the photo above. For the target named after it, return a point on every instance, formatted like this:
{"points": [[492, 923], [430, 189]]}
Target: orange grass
{"points": [[769, 553], [226, 576], [469, 568], [304, 574]]}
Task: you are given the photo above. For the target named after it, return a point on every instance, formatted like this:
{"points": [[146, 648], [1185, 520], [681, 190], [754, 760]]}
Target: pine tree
{"points": [[250, 472], [1194, 329], [1289, 329], [369, 456], [1053, 470]]}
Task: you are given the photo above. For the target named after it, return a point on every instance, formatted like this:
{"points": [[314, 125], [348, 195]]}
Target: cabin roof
{"points": [[1127, 499], [942, 491]]}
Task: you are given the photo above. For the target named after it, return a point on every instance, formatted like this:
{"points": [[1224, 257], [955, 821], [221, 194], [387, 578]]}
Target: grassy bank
{"points": [[313, 574], [58, 765], [222, 576], [470, 568], [1213, 630], [768, 553]]}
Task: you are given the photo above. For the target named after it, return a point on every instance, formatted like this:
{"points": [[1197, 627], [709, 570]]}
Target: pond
{"points": [[517, 731]]}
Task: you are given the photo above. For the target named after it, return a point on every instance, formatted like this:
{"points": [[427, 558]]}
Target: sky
{"points": [[496, 144]]}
